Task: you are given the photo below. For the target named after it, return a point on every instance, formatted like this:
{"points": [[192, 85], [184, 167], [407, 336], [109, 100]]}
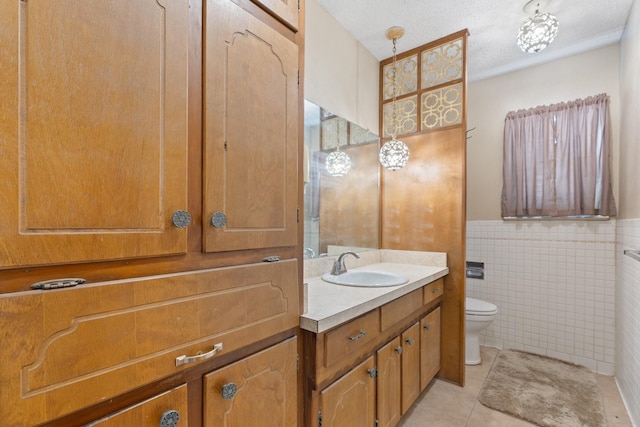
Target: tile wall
{"points": [[628, 317], [554, 284]]}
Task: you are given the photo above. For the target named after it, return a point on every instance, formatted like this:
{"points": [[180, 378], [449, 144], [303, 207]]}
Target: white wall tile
{"points": [[554, 284]]}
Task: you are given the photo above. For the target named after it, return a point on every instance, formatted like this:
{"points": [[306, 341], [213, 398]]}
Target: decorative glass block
{"points": [[441, 107], [441, 64], [406, 117], [406, 79], [359, 135], [334, 133]]}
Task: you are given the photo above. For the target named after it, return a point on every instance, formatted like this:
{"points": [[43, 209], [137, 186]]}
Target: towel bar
{"points": [[633, 253]]}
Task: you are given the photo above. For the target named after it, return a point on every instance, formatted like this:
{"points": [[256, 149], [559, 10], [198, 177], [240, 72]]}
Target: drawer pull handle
{"points": [[183, 360], [426, 327], [436, 290], [409, 341], [169, 418], [357, 337]]}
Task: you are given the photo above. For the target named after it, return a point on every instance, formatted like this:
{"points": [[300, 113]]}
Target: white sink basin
{"points": [[365, 279]]}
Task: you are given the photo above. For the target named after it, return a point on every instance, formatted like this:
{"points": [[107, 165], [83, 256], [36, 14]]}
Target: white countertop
{"points": [[329, 305]]}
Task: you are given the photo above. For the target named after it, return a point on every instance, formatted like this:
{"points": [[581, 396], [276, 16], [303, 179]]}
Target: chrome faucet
{"points": [[338, 265]]}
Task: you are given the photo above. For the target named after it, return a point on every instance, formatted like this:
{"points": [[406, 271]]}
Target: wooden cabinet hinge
{"points": [[298, 77], [298, 215], [297, 363], [319, 418]]}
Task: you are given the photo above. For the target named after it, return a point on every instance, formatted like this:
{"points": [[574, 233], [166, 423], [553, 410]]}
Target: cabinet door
{"points": [[429, 347], [171, 405], [351, 400], [93, 118], [389, 378], [287, 10], [410, 366], [251, 132], [257, 391]]}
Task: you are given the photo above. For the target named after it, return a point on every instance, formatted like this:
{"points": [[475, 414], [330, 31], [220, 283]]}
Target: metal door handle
{"points": [[183, 360]]}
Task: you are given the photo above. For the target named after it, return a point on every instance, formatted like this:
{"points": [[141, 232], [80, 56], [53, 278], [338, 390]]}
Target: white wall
{"points": [[490, 100], [628, 233], [340, 75]]}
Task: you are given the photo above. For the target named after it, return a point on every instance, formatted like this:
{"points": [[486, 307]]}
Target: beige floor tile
{"points": [[481, 416], [475, 375], [444, 404], [441, 405], [613, 406]]}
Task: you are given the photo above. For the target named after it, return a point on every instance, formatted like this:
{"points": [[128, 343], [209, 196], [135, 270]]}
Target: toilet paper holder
{"points": [[475, 270]]}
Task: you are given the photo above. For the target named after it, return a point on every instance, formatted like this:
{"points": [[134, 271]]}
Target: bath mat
{"points": [[543, 391]]}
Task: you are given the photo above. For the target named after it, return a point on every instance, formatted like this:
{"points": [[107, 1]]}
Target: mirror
{"points": [[339, 210]]}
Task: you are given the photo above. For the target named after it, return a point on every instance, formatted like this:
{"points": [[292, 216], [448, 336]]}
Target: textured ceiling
{"points": [[493, 26]]}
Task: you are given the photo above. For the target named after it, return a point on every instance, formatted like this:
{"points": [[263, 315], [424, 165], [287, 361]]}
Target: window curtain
{"points": [[556, 160]]}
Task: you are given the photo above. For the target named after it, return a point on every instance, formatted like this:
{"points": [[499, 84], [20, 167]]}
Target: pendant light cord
{"points": [[394, 135]]}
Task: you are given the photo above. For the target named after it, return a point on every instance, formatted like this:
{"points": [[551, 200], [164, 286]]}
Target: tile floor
{"points": [[444, 404]]}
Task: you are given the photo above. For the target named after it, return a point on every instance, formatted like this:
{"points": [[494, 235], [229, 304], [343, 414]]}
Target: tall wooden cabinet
{"points": [[93, 121], [150, 150]]}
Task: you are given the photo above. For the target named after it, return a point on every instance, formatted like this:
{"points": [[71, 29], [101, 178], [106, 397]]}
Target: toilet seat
{"points": [[478, 307]]}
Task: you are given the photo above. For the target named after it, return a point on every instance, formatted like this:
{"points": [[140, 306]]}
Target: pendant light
{"points": [[338, 163], [394, 154], [537, 32]]}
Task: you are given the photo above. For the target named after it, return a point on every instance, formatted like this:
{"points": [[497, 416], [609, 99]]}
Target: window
{"points": [[556, 161]]}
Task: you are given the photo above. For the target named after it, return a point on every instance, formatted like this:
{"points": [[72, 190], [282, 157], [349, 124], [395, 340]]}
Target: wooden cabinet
{"points": [[410, 366], [170, 405], [151, 148], [399, 339], [388, 404], [429, 347], [251, 132], [351, 400], [93, 118], [257, 391]]}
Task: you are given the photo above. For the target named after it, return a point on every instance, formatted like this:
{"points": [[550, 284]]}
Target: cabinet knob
{"points": [[181, 219], [426, 327], [373, 372], [229, 391], [399, 349], [169, 418], [218, 219], [409, 341]]}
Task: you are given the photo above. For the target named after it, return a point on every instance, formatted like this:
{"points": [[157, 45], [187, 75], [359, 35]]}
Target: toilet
{"points": [[478, 315]]}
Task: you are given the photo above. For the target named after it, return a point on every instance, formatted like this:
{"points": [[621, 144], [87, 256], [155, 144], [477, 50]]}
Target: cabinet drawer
{"points": [[287, 10], [67, 349], [400, 308], [349, 338], [171, 405], [433, 290]]}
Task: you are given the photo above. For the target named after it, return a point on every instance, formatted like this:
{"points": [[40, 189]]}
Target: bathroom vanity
{"points": [[370, 351]]}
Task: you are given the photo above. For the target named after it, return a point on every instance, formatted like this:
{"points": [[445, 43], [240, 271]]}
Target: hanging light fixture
{"points": [[338, 163], [537, 32], [394, 154]]}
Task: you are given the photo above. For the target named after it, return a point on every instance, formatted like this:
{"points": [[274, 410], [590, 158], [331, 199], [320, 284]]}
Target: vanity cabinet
{"points": [[396, 343], [430, 332], [351, 400]]}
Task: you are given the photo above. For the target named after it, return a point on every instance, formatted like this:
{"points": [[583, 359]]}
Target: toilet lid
{"points": [[479, 307]]}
